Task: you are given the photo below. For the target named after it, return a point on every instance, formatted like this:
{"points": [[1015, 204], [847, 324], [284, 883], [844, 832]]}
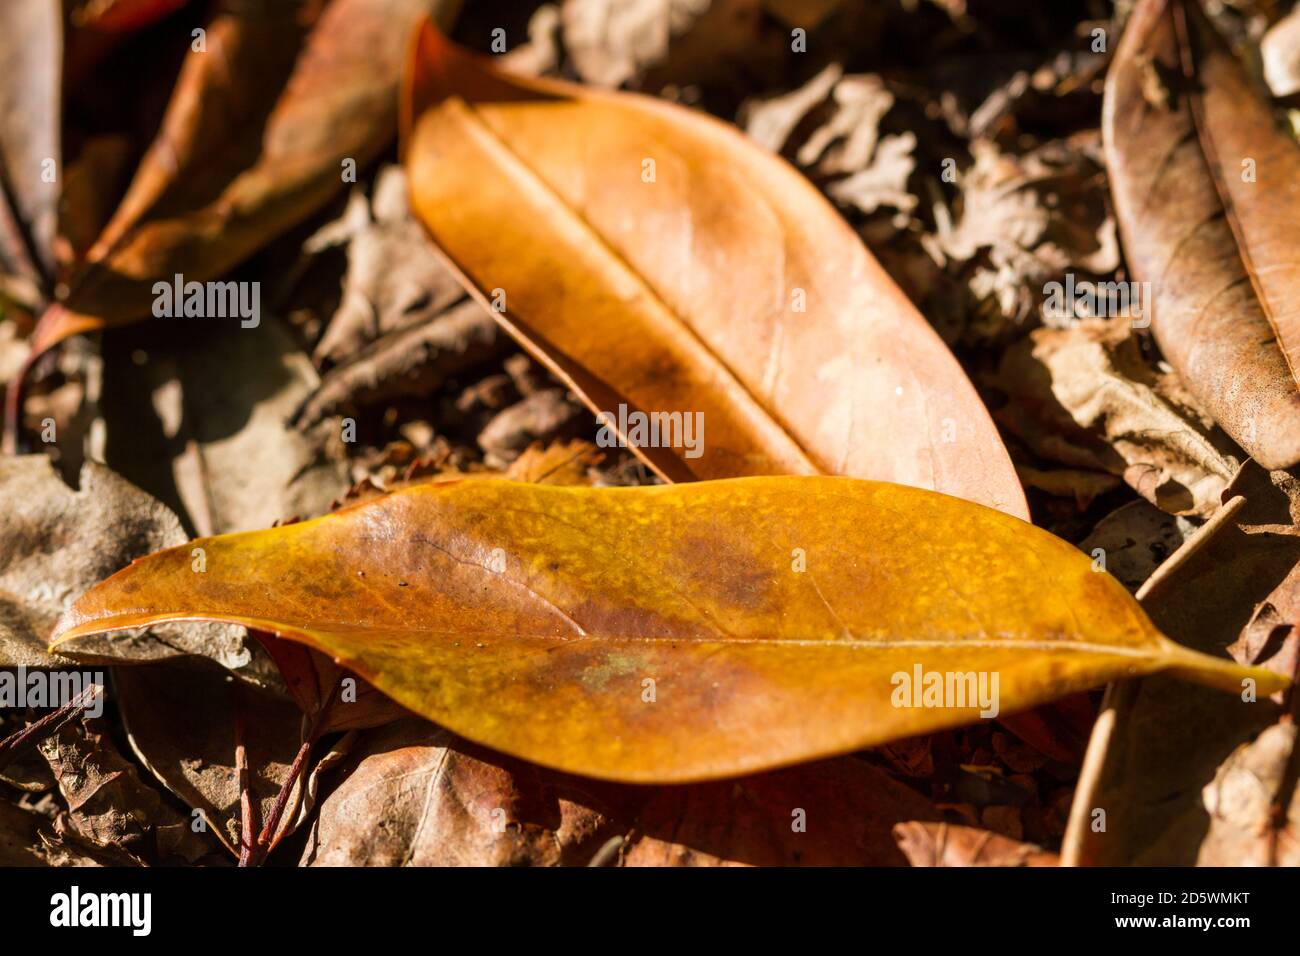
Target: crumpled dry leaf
{"points": [[414, 360], [1205, 188], [393, 279], [542, 416], [413, 794], [1167, 765], [445, 598], [1087, 398], [830, 127], [109, 806], [614, 41], [56, 541], [944, 844], [1026, 220], [1250, 791], [540, 56]]}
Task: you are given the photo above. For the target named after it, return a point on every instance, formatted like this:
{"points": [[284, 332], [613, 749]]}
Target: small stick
{"points": [[247, 806], [12, 745], [296, 769]]}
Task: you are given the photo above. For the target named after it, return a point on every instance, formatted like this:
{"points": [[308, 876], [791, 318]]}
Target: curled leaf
{"points": [[1207, 191]]}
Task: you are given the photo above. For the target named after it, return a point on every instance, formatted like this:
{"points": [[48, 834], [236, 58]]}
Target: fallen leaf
{"points": [[612, 42], [944, 844], [31, 48], [528, 618], [414, 360], [1086, 397], [1280, 51], [709, 317], [884, 182], [1151, 790], [1135, 539], [392, 281], [411, 794], [414, 794], [254, 140], [109, 806], [56, 541], [221, 453], [1025, 221], [542, 416], [180, 721], [1207, 191]]}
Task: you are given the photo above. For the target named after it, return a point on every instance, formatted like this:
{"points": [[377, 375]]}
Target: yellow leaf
{"points": [[676, 632]]}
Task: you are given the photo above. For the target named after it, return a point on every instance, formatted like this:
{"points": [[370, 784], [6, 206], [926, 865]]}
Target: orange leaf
{"points": [[655, 258], [674, 632]]}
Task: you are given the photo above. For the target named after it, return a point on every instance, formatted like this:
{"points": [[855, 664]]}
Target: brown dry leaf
{"points": [[559, 463], [20, 839], [943, 844], [839, 118], [1025, 221], [413, 794], [414, 360], [772, 122], [109, 807], [1280, 51], [392, 280], [1250, 791], [829, 813], [56, 541], [1207, 190], [660, 41], [1135, 539], [1166, 765], [884, 182], [180, 720], [202, 421], [594, 630], [322, 689], [254, 140], [1083, 486], [31, 49], [772, 321], [1086, 397], [541, 417]]}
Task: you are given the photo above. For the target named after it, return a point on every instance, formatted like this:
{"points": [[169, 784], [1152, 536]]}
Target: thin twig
{"points": [[296, 768], [247, 805], [12, 745]]}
